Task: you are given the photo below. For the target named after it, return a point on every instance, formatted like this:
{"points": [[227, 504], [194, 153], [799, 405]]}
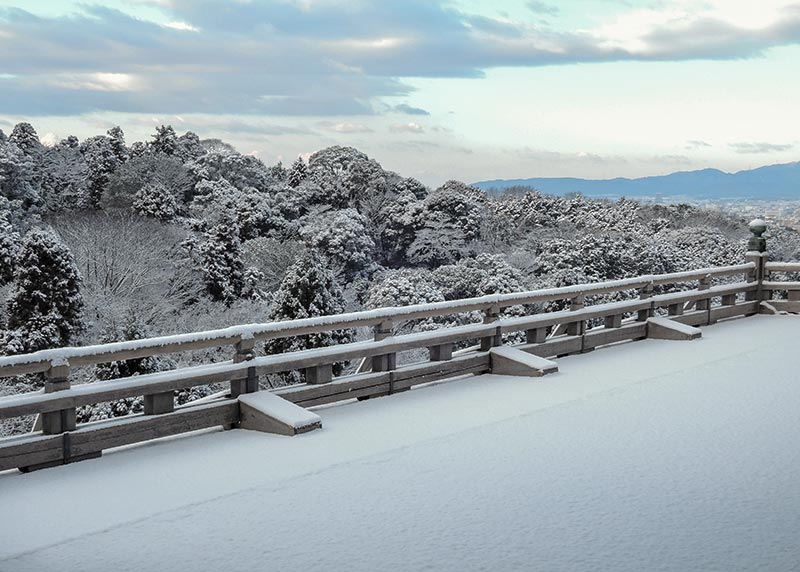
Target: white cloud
{"points": [[98, 81], [343, 127], [407, 128], [183, 26]]}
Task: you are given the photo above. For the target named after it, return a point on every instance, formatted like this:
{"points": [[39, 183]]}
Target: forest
{"points": [[101, 241]]}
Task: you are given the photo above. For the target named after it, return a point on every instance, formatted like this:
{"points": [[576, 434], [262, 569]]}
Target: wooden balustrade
{"points": [[61, 440]]}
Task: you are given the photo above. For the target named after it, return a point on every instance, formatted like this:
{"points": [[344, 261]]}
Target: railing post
{"points": [[756, 253], [491, 315], [614, 321], [576, 328], [384, 362], [441, 352], [536, 335], [645, 292], [245, 351], [57, 379]]}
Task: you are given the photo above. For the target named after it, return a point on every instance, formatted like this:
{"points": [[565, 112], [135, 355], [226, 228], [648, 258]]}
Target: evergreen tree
{"points": [[297, 173], [44, 310], [101, 162], [188, 147], [155, 200], [164, 141], [25, 138], [3, 137], [308, 290], [9, 247], [117, 137], [221, 260]]}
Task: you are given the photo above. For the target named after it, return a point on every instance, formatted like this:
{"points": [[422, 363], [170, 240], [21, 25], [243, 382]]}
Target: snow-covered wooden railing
{"points": [[792, 288], [61, 441]]}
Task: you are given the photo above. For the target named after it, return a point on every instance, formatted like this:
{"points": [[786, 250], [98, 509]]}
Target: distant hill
{"points": [[770, 182]]}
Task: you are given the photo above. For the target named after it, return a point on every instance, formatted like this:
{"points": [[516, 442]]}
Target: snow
{"points": [[652, 455]]}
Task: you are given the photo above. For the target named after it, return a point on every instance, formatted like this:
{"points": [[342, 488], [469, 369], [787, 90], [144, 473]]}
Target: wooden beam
{"points": [[266, 412], [666, 329], [511, 361]]}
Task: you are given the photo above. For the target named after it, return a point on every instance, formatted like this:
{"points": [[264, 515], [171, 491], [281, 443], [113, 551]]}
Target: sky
{"points": [[438, 90]]}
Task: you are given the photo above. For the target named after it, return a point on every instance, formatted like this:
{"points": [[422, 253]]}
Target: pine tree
{"points": [[297, 172], [308, 290], [25, 138], [221, 259], [44, 310]]}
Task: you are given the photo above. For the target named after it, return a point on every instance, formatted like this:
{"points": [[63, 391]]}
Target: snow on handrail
{"points": [[87, 355], [85, 394], [782, 266]]}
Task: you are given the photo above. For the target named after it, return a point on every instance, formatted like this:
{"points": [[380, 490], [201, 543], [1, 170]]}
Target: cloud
{"points": [[406, 128], [183, 26], [331, 57], [697, 144], [542, 8], [343, 127], [406, 109], [754, 147]]}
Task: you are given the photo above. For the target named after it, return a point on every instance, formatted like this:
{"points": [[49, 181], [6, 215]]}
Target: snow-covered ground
{"points": [[655, 455]]}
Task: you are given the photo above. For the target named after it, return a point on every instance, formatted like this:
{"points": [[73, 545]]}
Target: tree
{"points": [[188, 147], [117, 137], [9, 247], [297, 172], [308, 290], [44, 310], [164, 141], [101, 162], [221, 260], [17, 180], [25, 138], [342, 237], [154, 200]]}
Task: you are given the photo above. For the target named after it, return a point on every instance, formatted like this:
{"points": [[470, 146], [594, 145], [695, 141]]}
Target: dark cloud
{"points": [[314, 58], [755, 147]]}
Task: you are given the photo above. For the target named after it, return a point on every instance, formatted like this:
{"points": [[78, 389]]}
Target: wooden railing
{"points": [[771, 283], [62, 440]]}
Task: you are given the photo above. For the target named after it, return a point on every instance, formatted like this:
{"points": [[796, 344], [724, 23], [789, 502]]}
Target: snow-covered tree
{"points": [[154, 200], [17, 180], [25, 138], [308, 290], [45, 307], [221, 260], [9, 247], [188, 147], [117, 138], [297, 172], [101, 161], [342, 237], [164, 141]]}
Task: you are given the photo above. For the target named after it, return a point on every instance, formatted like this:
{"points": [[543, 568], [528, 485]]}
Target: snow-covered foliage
{"points": [[309, 289], [155, 200], [227, 238], [342, 236], [45, 308]]}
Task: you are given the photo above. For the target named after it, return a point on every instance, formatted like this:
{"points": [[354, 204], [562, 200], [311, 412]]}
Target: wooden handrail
{"points": [[86, 394], [43, 360]]}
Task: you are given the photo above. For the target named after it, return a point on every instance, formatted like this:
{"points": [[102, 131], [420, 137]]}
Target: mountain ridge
{"points": [[779, 181]]}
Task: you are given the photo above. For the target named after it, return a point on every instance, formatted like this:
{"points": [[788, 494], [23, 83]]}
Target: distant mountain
{"points": [[770, 182]]}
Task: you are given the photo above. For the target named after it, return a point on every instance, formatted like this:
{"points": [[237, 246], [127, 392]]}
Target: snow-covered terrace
{"points": [[650, 455]]}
